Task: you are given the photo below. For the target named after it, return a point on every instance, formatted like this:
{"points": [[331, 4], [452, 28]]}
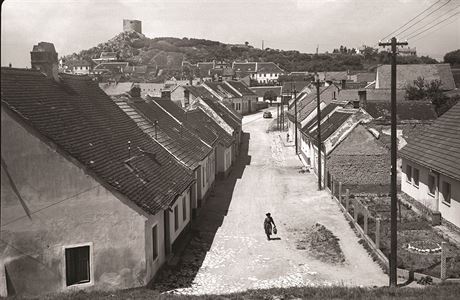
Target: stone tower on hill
{"points": [[132, 25]]}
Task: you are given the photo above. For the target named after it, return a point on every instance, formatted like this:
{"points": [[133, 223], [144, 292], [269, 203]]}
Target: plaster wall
{"points": [[183, 215], [449, 211], [62, 205], [224, 159]]}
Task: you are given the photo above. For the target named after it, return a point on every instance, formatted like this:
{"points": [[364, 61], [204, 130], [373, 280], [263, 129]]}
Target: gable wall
{"points": [[67, 207]]}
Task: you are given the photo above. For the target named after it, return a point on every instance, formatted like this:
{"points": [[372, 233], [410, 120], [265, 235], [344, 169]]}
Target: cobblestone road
{"points": [[232, 249]]}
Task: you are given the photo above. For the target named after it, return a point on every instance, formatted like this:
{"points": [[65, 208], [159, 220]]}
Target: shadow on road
{"points": [[204, 228]]}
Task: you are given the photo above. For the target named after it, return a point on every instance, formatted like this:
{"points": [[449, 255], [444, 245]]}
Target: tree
{"points": [[270, 96], [430, 91], [452, 57]]}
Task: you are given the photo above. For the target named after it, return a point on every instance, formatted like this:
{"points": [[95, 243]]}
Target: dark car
{"points": [[267, 115]]}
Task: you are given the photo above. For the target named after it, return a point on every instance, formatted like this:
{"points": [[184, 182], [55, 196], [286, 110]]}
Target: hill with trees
{"points": [[164, 55]]}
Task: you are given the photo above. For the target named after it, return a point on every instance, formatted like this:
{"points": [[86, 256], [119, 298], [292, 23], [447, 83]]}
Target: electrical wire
{"points": [[424, 17], [410, 20], [431, 22], [433, 26], [53, 204], [434, 31]]}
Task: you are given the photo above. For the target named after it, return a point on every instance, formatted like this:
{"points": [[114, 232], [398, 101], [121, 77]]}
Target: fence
{"points": [[360, 217]]}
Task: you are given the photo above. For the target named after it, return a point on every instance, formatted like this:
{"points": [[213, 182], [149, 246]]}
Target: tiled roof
{"points": [[222, 89], [77, 63], [205, 68], [223, 112], [199, 118], [406, 110], [371, 94], [289, 87], [241, 88], [135, 69], [331, 124], [111, 66], [324, 112], [113, 89], [307, 103], [203, 132], [333, 76], [406, 74], [360, 159], [438, 147], [248, 67], [177, 139], [81, 120], [365, 77], [268, 67], [260, 91]]}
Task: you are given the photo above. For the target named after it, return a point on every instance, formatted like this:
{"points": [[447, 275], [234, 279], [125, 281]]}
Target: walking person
{"points": [[268, 225]]}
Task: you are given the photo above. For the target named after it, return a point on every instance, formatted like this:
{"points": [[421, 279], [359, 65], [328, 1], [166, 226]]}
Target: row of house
{"points": [[260, 72], [98, 191], [355, 138]]}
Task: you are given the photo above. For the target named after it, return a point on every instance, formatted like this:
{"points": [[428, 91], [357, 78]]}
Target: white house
{"points": [[431, 167]]}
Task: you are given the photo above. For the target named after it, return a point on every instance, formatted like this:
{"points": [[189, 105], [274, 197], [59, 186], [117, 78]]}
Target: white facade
{"points": [[435, 191], [265, 77]]}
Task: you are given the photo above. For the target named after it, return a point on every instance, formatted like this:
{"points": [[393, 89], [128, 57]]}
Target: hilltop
{"points": [[164, 55]]}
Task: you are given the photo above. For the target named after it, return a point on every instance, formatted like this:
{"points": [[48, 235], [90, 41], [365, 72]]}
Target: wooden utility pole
{"points": [[318, 115], [394, 200], [295, 121]]}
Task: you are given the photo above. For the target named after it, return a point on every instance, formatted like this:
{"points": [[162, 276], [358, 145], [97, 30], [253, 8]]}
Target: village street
{"points": [[267, 179]]}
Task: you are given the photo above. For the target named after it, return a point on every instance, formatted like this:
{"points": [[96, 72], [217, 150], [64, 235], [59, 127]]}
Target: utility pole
{"points": [[394, 200], [295, 121], [318, 115]]}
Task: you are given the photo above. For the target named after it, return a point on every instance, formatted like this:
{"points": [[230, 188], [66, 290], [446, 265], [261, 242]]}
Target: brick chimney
{"points": [[45, 59], [363, 98]]}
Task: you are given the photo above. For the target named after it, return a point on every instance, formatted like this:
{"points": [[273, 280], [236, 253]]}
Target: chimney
{"points": [[45, 59], [343, 83], [363, 98], [355, 103], [135, 91], [165, 95]]}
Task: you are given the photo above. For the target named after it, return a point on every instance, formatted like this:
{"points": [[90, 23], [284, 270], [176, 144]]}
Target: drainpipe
{"points": [[437, 191]]}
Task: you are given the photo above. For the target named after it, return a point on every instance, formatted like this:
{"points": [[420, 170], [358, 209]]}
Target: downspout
{"points": [[325, 167], [437, 191]]}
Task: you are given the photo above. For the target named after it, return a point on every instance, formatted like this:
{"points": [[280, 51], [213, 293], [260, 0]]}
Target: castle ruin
{"points": [[132, 25]]}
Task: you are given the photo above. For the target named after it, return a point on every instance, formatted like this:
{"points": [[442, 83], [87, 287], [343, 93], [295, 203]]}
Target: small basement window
{"points": [[77, 265], [446, 192]]}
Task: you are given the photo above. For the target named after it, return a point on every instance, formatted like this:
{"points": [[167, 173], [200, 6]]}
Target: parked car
{"points": [[267, 115]]}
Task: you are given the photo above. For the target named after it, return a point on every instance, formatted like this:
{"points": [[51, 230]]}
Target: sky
{"points": [[74, 25]]}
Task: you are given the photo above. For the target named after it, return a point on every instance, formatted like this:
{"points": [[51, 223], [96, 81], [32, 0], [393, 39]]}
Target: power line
{"points": [[434, 31], [433, 26], [411, 20], [424, 17], [53, 204], [431, 22]]}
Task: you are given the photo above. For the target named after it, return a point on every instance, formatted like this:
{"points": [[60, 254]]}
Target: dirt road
{"points": [[267, 179]]}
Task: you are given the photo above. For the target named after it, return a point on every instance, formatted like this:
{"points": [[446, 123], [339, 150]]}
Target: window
{"points": [[154, 242], [77, 265], [416, 177], [431, 185], [184, 208], [202, 176], [446, 192], [409, 174], [176, 217]]}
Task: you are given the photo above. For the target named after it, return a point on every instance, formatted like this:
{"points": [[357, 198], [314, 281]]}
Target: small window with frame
{"points": [[184, 208], [154, 242], [77, 265], [431, 185], [409, 174], [416, 175], [446, 192], [176, 218]]}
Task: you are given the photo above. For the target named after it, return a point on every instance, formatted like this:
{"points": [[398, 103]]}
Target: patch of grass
{"points": [[444, 291]]}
